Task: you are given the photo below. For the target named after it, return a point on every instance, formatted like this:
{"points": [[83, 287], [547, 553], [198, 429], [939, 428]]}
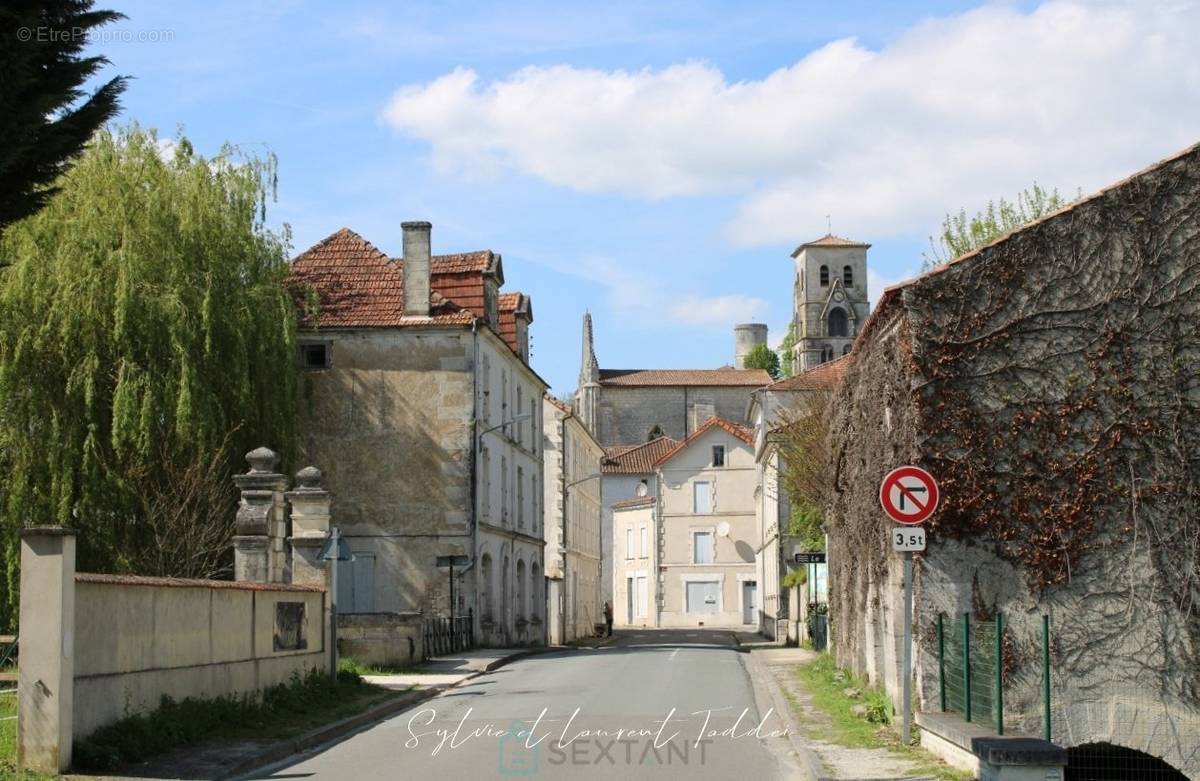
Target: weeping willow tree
{"points": [[146, 341]]}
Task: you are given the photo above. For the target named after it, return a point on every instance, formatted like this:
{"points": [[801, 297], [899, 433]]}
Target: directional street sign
{"points": [[809, 557], [908, 539], [338, 544], [909, 495], [452, 561]]}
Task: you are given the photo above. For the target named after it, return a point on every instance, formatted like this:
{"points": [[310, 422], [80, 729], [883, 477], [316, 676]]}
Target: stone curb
{"points": [[322, 736], [811, 764]]}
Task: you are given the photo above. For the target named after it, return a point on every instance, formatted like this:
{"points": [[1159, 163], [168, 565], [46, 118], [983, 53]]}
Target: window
{"points": [[703, 596], [848, 276], [846, 350], [645, 541], [824, 276], [629, 542], [826, 353], [702, 497], [314, 355], [521, 604], [485, 587], [504, 403], [702, 547], [838, 324], [517, 411], [535, 590], [504, 489], [718, 455], [487, 390], [485, 465], [655, 433], [521, 497], [533, 490]]}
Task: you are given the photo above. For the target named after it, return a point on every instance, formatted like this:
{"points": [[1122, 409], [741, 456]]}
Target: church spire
{"points": [[589, 369]]}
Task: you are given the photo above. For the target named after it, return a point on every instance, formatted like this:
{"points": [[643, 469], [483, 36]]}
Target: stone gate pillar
{"points": [[261, 525], [310, 527], [46, 674]]}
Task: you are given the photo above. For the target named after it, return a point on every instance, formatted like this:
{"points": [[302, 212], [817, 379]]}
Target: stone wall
{"points": [[390, 425], [626, 415], [382, 639], [97, 648], [1050, 383]]}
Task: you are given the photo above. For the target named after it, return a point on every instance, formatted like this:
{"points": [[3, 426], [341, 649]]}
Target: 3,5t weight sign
{"points": [[908, 539]]}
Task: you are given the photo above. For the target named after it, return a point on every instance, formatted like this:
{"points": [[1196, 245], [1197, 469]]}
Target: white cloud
{"points": [[952, 112], [647, 297], [717, 310]]}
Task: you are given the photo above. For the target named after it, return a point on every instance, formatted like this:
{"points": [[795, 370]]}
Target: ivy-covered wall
{"points": [[1051, 381]]}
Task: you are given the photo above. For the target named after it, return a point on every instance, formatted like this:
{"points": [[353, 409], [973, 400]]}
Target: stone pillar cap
{"points": [[262, 460], [309, 477]]}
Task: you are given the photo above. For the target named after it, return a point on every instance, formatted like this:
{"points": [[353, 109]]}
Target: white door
{"points": [[749, 601], [702, 596], [642, 606], [629, 595]]}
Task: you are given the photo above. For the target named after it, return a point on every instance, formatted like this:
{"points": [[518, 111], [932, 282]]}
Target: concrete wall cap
{"points": [[48, 531]]}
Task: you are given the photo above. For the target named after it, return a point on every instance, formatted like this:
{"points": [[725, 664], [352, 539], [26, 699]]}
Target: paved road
{"points": [[677, 695]]}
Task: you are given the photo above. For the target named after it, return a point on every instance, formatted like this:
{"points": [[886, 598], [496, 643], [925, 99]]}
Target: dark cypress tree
{"points": [[46, 118]]}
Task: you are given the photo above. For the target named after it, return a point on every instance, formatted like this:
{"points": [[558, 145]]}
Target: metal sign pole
{"points": [[906, 730]]}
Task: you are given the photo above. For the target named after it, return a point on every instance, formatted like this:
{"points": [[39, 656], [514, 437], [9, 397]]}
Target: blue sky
{"points": [[656, 163]]}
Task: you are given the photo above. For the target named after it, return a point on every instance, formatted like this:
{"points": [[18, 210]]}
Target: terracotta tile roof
{"points": [[741, 432], [479, 262], [637, 501], [358, 286], [676, 377], [825, 375], [635, 459], [562, 407], [829, 240], [511, 306]]}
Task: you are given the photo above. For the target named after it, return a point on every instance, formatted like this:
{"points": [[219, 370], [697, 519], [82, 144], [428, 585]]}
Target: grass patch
{"points": [[826, 685], [282, 711], [348, 665], [8, 741]]}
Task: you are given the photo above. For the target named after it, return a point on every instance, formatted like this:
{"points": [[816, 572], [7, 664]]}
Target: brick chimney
{"points": [[416, 268]]}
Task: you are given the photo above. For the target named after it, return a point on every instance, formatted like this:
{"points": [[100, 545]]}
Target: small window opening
{"points": [[718, 452], [314, 356]]}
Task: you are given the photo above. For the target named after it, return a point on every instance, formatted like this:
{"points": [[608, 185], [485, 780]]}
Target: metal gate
{"points": [[449, 635]]}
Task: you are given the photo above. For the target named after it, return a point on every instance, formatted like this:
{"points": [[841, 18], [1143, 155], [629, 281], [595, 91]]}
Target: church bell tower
{"points": [[830, 299]]}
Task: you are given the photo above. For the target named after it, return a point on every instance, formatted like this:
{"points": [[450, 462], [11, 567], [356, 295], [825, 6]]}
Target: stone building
{"points": [[628, 473], [631, 406], [830, 299], [1050, 381], [635, 588], [772, 408], [704, 530], [572, 529], [419, 405]]}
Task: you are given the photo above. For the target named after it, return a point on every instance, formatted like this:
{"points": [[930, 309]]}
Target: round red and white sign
{"points": [[908, 495]]}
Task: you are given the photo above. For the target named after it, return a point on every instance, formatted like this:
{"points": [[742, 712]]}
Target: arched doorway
{"points": [[1106, 762]]}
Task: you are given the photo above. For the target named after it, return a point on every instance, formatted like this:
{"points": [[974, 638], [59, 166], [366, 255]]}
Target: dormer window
{"points": [[848, 276], [824, 276]]}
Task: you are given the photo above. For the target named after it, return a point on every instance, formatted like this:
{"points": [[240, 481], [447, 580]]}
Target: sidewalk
{"points": [[811, 727], [239, 758], [443, 671]]}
